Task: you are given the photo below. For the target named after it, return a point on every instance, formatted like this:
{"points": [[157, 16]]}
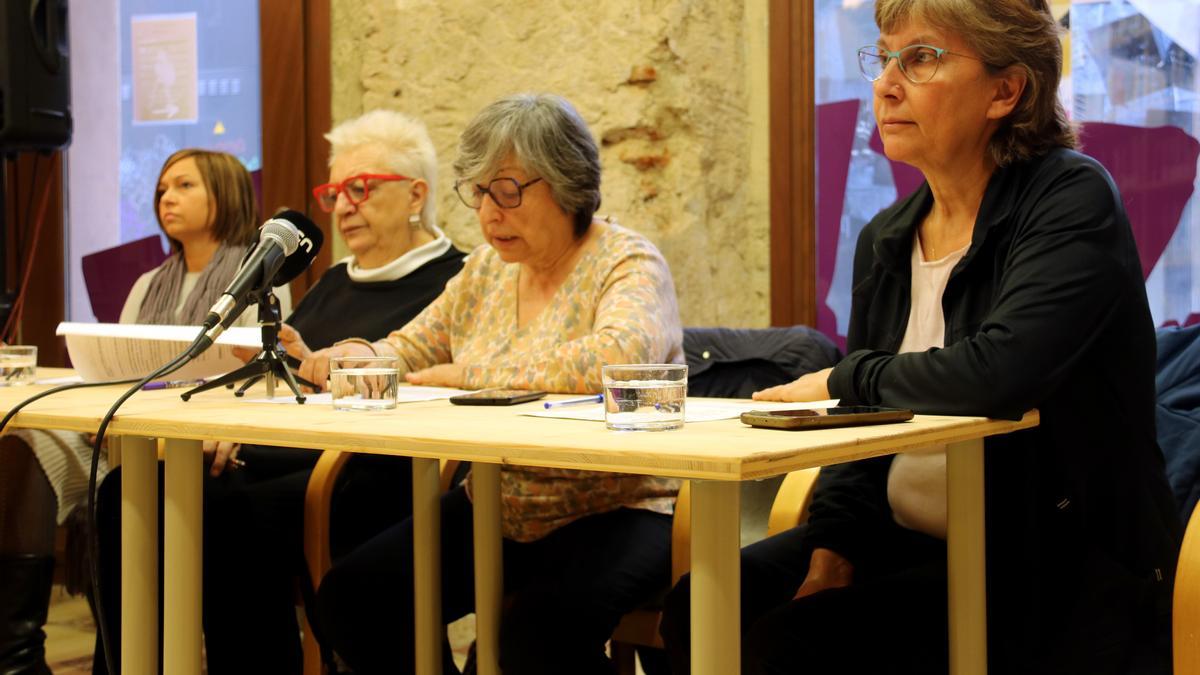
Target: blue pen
{"points": [[598, 398], [171, 384]]}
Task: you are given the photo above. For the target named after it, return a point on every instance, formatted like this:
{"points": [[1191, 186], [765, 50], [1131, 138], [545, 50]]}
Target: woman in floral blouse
{"points": [[553, 295]]}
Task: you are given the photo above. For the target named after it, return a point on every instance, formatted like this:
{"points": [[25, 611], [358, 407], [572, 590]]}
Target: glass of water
{"points": [[18, 365], [363, 382], [644, 396]]}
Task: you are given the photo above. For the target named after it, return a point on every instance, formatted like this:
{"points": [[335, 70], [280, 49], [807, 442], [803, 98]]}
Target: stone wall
{"points": [[674, 90]]}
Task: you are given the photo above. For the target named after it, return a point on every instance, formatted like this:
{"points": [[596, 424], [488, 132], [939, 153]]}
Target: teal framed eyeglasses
{"points": [[919, 63]]}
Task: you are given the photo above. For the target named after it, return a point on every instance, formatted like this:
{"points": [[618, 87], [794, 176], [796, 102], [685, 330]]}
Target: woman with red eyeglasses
{"points": [[382, 180], [381, 192]]}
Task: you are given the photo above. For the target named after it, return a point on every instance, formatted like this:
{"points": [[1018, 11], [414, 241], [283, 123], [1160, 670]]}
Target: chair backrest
{"points": [[111, 273], [1185, 620], [1177, 380], [736, 362], [790, 507]]}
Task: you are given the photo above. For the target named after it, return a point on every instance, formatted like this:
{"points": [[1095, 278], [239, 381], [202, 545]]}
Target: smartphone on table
{"points": [[497, 397], [839, 416]]}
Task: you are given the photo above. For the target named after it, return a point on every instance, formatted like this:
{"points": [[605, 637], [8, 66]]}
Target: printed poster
{"points": [[164, 69]]}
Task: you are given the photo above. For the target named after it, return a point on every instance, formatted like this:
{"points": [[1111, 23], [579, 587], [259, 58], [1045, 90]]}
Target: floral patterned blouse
{"points": [[617, 306]]}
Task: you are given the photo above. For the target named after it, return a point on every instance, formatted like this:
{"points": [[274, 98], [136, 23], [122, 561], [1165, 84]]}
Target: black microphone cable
{"points": [[66, 387], [93, 534]]}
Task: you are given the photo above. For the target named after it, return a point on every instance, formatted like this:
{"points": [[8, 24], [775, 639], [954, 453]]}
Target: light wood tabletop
{"points": [[720, 450], [714, 455]]}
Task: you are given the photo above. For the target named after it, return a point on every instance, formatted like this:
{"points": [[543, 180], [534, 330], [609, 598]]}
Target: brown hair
{"points": [[1016, 33], [230, 195]]}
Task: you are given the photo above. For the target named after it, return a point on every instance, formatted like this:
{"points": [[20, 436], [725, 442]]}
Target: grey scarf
{"points": [[158, 307]]}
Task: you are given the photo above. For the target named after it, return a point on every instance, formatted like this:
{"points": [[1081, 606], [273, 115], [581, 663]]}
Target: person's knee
{"points": [[675, 627], [522, 626], [337, 596], [541, 630], [776, 644]]}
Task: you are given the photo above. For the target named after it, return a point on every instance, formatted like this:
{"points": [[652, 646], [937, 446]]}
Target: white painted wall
{"points": [[93, 219]]}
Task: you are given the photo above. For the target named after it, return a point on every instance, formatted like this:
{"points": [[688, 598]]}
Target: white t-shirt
{"points": [[917, 479]]}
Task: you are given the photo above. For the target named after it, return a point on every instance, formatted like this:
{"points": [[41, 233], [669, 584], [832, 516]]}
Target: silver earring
{"points": [[414, 221]]}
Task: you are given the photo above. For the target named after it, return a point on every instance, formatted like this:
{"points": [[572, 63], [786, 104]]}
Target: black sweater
{"points": [[1046, 310], [338, 308]]}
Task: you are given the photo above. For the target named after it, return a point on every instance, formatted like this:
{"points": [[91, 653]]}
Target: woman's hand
{"points": [[826, 570], [288, 337], [221, 454], [810, 387], [315, 368], [245, 353], [292, 342], [441, 375]]}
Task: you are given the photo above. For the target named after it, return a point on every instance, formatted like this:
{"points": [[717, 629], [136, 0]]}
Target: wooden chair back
{"points": [[318, 503], [1185, 622]]}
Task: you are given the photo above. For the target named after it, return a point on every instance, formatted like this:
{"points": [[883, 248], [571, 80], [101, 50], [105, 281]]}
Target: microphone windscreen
{"points": [[311, 239]]}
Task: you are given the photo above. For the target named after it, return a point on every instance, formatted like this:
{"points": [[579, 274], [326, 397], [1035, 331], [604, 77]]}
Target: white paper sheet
{"points": [[69, 379], [695, 411], [116, 351]]}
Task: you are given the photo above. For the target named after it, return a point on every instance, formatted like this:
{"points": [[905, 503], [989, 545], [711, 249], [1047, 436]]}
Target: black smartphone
{"points": [[497, 397], [841, 416]]}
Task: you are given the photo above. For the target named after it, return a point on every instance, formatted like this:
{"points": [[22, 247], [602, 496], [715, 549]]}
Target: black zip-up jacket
{"points": [[1046, 310]]}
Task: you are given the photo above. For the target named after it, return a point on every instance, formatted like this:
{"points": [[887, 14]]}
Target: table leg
{"points": [[182, 561], [139, 555], [489, 566], [716, 578], [427, 570], [965, 558]]}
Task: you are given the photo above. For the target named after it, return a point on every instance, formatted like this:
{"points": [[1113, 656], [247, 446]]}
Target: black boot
{"points": [[25, 582]]}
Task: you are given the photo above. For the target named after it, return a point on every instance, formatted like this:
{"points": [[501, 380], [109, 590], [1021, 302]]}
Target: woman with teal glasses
{"points": [[1008, 281]]}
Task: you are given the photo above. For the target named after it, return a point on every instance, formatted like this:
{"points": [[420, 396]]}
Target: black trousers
{"points": [[892, 619], [564, 594], [253, 549]]}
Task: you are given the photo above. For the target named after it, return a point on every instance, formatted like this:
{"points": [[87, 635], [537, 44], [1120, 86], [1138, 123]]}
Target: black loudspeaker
{"points": [[35, 83]]}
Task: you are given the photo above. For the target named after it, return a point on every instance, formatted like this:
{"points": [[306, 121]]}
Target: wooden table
{"points": [[716, 456]]}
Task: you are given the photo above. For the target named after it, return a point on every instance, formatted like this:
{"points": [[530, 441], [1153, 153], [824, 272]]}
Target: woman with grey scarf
{"points": [[204, 203]]}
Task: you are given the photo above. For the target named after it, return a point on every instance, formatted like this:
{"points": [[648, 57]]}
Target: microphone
{"points": [[287, 245], [309, 245]]}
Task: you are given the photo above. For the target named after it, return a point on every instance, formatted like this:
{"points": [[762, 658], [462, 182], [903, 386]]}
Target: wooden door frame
{"points": [[793, 163], [45, 298], [296, 113]]}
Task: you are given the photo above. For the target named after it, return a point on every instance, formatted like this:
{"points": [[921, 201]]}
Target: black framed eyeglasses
{"points": [[505, 192], [919, 63]]}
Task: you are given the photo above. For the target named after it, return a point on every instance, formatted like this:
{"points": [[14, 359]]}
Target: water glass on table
{"points": [[644, 396], [18, 365], [364, 382]]}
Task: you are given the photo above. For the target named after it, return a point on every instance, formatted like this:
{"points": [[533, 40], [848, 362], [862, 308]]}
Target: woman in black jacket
{"points": [[1008, 281]]}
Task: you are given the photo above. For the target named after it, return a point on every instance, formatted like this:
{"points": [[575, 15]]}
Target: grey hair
{"points": [[406, 146], [547, 138]]}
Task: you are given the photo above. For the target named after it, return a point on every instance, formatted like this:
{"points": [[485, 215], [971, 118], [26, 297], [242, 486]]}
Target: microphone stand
{"points": [[268, 364]]}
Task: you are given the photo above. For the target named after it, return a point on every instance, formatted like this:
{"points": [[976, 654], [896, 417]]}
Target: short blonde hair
{"points": [[1020, 33], [406, 146]]}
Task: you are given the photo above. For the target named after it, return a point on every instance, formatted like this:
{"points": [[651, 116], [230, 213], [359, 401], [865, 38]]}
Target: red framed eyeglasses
{"points": [[357, 189]]}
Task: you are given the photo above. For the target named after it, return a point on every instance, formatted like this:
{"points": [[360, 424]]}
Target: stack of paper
{"points": [[119, 351]]}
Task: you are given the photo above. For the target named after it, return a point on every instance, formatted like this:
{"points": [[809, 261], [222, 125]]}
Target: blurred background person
{"points": [[205, 204]]}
